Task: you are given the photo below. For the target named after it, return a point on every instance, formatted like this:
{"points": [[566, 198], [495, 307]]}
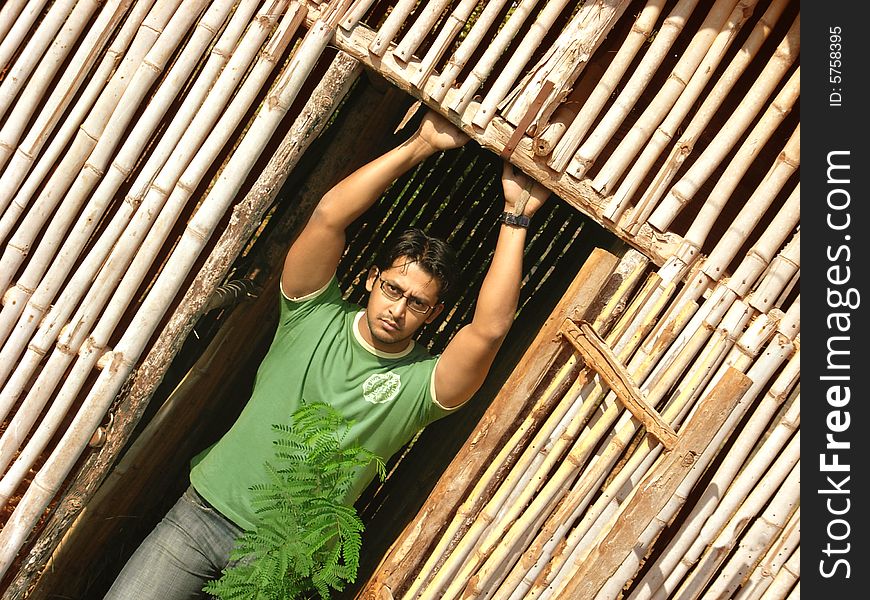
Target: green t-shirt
{"points": [[318, 355]]}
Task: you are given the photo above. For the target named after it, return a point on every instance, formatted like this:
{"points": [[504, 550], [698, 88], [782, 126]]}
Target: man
{"points": [[364, 362]]}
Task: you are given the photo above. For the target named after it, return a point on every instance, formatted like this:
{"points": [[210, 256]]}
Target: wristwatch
{"points": [[509, 218]]}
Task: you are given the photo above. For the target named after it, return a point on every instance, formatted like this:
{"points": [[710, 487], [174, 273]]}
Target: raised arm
{"points": [[314, 255], [466, 360]]}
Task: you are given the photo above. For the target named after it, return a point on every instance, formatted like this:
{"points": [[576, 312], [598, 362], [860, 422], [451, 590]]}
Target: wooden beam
{"points": [[600, 357]]}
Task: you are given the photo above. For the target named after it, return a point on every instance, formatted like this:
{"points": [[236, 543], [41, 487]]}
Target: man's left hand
{"points": [[515, 183]]}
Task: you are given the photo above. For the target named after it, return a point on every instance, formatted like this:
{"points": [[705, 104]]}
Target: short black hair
{"points": [[431, 254]]}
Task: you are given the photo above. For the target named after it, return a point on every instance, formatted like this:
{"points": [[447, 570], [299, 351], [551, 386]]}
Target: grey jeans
{"points": [[189, 547]]}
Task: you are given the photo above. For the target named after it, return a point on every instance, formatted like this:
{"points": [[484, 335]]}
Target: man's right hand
{"points": [[439, 133]]}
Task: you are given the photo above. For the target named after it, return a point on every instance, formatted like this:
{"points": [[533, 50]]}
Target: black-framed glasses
{"points": [[395, 293]]}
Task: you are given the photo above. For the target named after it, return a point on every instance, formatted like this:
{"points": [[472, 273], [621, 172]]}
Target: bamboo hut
{"points": [[639, 435]]}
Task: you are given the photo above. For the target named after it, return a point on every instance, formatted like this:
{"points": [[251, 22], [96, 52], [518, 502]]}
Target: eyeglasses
{"points": [[395, 293]]}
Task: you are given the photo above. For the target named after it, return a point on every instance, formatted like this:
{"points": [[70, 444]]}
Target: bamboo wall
{"points": [[131, 138]]}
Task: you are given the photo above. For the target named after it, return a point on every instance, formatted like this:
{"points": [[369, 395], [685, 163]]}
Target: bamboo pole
{"points": [[35, 48], [93, 151], [785, 165], [548, 571], [387, 32], [488, 552], [469, 510], [15, 200], [758, 258], [158, 158], [700, 57], [756, 539], [760, 373], [493, 52], [783, 382], [355, 13], [767, 568], [711, 105], [666, 125], [628, 97], [108, 183], [556, 126], [15, 19], [739, 229], [511, 525], [787, 577], [421, 28], [466, 49], [505, 499], [521, 56], [567, 143], [31, 96], [61, 96], [122, 252], [130, 346], [673, 413], [584, 531], [455, 22], [540, 461], [687, 187]]}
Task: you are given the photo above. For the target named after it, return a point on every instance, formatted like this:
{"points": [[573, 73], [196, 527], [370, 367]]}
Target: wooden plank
{"points": [[600, 357], [658, 487]]}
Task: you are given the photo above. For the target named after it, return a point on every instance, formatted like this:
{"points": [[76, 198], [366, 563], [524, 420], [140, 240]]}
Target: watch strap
{"points": [[509, 218]]}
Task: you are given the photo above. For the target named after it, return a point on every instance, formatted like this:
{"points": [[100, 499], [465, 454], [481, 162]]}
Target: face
{"points": [[389, 324]]}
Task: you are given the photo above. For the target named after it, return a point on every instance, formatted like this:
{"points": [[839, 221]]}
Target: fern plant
{"points": [[306, 541]]}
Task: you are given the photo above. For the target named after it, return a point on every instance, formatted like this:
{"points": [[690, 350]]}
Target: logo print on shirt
{"points": [[381, 388]]}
